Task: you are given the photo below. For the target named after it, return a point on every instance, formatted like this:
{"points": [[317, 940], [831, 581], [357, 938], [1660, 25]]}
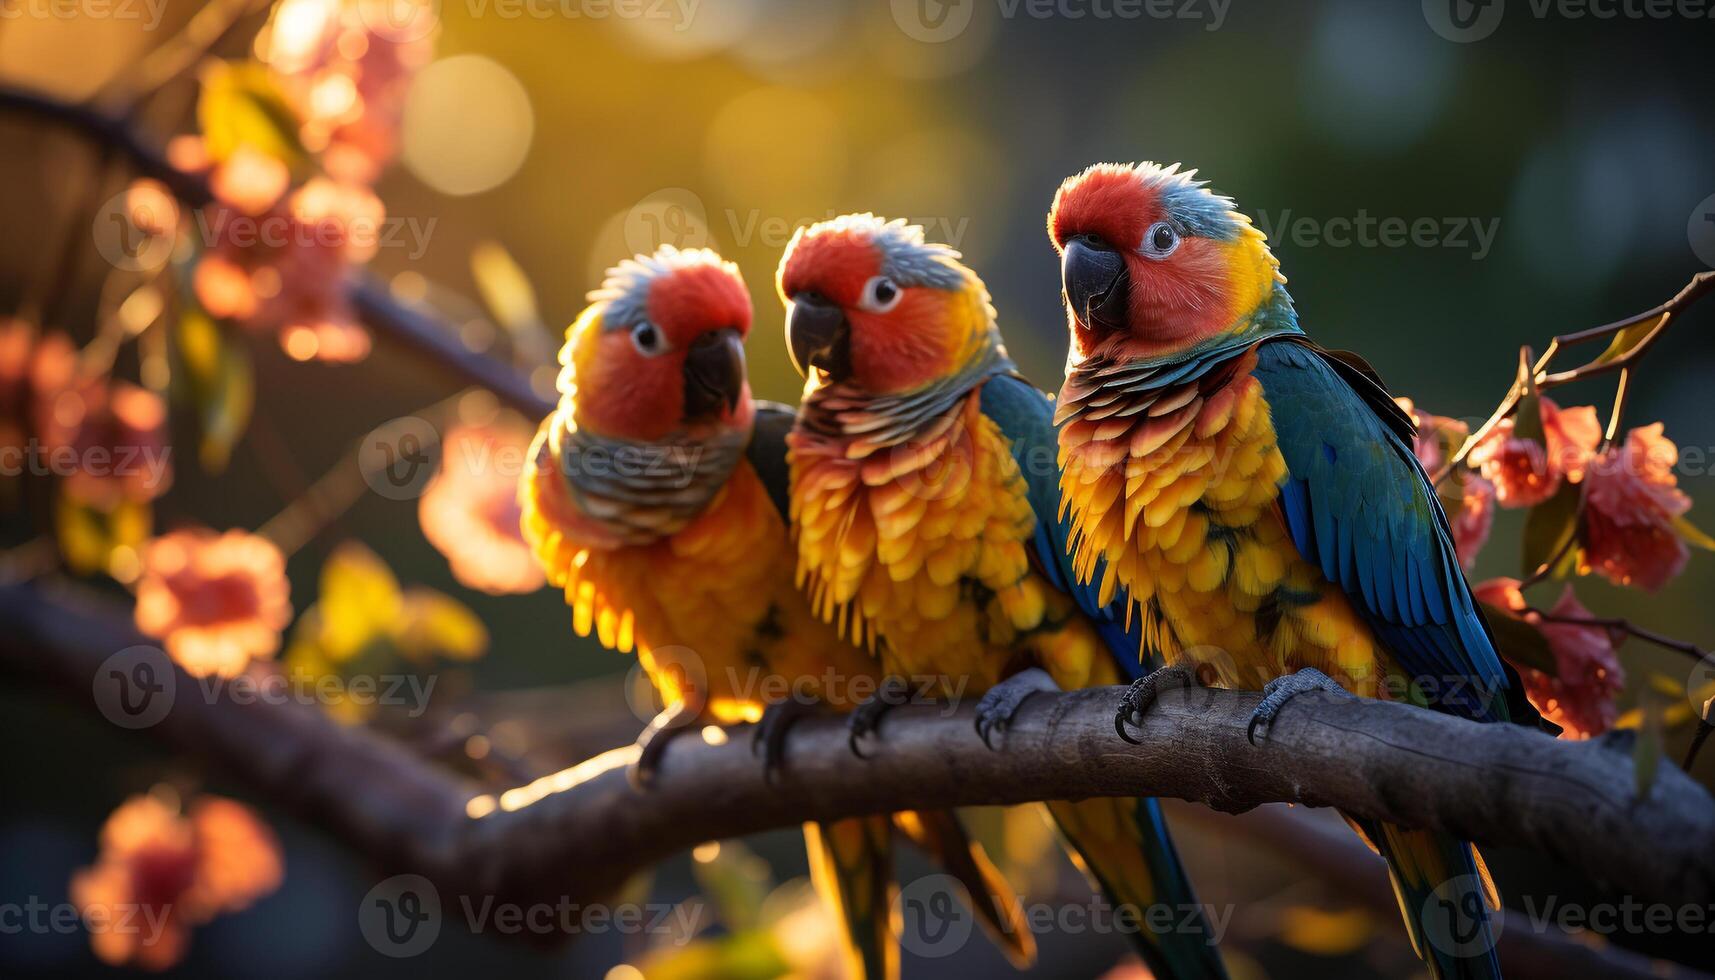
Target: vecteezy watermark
{"points": [[397, 458], [402, 916], [137, 231], [676, 13], [1700, 688], [936, 21], [1365, 230], [297, 686], [1456, 918], [776, 231], [147, 11], [1701, 231], [152, 463], [936, 919], [1465, 21], [274, 231], [36, 917], [136, 687], [1628, 916]]}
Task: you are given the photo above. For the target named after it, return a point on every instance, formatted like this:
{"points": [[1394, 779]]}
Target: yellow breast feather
{"points": [[1179, 497]]}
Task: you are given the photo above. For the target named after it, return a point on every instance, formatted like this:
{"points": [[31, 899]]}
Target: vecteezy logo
{"points": [[134, 688], [1464, 21], [400, 21], [1701, 684], [397, 457], [670, 216], [134, 230], [934, 922], [677, 669], [1701, 231], [933, 21], [401, 916], [1456, 918]]}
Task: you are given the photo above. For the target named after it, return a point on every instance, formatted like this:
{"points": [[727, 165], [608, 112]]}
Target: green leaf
{"points": [[360, 601], [735, 879], [1647, 750], [217, 381], [1693, 534], [241, 106], [89, 533], [1629, 338], [1548, 527], [434, 624], [1527, 418], [1521, 643]]}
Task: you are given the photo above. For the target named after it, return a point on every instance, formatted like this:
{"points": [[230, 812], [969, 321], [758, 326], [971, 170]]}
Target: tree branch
{"points": [[584, 831], [408, 327], [1493, 784]]}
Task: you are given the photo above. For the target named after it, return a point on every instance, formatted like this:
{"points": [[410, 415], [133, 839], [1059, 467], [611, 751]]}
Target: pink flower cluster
{"points": [[1580, 698], [1468, 497], [276, 258], [277, 261], [348, 67]]}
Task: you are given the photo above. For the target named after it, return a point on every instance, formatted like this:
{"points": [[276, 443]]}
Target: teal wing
{"points": [[1357, 503], [767, 453], [1026, 417]]}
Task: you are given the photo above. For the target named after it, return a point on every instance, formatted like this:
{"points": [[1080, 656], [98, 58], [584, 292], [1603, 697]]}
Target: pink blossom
{"points": [[1581, 699], [1469, 499], [1524, 471], [1631, 500], [348, 67], [285, 268]]}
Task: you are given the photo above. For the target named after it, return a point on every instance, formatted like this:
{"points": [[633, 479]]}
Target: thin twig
{"points": [[1699, 286]]}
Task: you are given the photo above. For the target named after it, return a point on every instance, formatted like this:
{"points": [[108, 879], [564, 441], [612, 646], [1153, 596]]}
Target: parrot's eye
{"points": [[1160, 241], [880, 294], [647, 339]]}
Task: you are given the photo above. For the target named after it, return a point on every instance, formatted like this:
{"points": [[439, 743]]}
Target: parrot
{"points": [[1256, 499], [923, 496], [654, 495]]}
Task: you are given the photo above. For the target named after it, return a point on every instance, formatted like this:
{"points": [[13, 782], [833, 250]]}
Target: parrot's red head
{"points": [[1153, 262], [660, 350], [869, 304]]}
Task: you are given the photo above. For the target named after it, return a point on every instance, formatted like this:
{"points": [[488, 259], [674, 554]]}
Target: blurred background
{"points": [[1561, 166]]}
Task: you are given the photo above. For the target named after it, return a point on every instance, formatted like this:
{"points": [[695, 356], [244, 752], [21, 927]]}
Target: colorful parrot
{"points": [[655, 497], [1257, 499], [923, 503]]}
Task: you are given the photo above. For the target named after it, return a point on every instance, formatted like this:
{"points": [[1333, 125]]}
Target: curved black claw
{"points": [[866, 717], [1277, 692], [995, 710], [1145, 691], [770, 733], [652, 742]]}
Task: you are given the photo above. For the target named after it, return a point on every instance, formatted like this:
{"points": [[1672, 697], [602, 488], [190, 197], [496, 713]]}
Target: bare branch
{"points": [[585, 830]]}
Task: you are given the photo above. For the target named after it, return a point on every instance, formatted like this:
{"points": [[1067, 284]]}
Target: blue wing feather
{"points": [[1025, 416], [1358, 504]]}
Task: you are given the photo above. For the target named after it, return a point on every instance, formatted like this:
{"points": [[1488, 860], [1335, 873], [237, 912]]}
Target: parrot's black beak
{"points": [[1097, 284], [714, 373], [818, 336]]}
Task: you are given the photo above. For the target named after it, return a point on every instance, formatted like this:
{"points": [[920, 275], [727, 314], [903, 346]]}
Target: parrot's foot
{"points": [[653, 742], [770, 734], [866, 717], [1145, 691], [1277, 692], [995, 710]]}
